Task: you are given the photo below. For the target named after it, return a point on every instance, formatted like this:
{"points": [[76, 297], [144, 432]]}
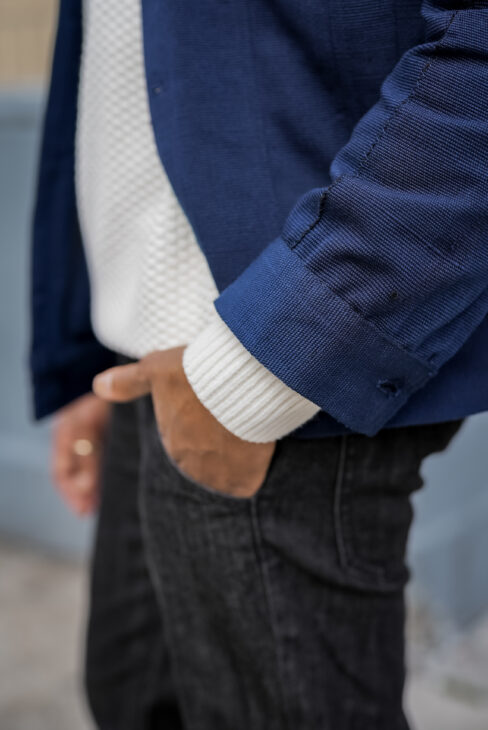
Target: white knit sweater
{"points": [[150, 282]]}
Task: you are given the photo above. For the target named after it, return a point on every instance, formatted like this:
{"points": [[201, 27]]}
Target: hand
{"points": [[81, 423], [199, 446]]}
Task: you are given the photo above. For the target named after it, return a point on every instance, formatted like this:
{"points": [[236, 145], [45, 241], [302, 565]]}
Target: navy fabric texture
{"points": [[370, 297], [64, 352]]}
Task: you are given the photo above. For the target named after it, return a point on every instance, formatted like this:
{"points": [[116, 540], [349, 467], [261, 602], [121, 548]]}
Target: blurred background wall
{"points": [[450, 539], [25, 33], [29, 508]]}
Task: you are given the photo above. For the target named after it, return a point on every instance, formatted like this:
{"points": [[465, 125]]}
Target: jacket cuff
{"points": [[313, 341], [241, 393]]}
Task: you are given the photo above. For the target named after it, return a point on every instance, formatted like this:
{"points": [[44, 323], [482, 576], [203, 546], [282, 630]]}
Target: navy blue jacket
{"points": [[332, 158]]}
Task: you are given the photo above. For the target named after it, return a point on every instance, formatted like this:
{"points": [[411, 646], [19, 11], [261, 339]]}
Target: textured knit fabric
{"points": [[372, 300], [243, 395], [151, 285]]}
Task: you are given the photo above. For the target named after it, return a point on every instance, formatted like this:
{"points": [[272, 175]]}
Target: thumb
{"points": [[122, 383]]}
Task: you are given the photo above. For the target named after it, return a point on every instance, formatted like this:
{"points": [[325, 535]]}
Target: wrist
{"points": [[238, 390]]}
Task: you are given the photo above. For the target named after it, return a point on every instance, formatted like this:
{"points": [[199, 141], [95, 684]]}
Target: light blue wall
{"points": [[450, 539], [449, 545], [28, 505]]}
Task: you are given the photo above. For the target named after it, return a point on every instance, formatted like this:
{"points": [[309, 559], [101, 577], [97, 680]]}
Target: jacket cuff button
{"points": [[390, 388]]}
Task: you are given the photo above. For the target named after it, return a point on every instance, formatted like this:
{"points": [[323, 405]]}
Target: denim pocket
{"points": [[372, 500], [373, 511], [191, 486]]}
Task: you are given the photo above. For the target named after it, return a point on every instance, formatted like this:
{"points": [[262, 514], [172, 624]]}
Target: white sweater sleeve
{"points": [[238, 390]]}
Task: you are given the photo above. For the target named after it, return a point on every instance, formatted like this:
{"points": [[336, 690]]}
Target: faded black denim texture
{"points": [[280, 612]]}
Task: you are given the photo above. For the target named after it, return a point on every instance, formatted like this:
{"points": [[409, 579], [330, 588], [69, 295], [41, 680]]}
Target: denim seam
{"points": [[158, 583], [379, 136], [339, 537], [259, 550]]}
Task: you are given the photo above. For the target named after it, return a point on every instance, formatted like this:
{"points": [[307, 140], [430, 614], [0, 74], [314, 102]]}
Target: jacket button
{"points": [[390, 388]]}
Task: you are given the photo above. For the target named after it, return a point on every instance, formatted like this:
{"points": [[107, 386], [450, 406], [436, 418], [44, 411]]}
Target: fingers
{"points": [[77, 482], [80, 496], [76, 471], [122, 383], [76, 477]]}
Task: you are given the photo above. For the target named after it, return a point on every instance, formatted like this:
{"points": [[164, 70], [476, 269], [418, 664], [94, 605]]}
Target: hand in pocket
{"points": [[200, 447]]}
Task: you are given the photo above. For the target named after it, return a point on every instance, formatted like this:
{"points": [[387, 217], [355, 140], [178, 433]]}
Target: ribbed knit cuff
{"points": [[242, 394]]}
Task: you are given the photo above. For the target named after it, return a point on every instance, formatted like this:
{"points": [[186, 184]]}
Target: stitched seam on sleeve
{"points": [[378, 137]]}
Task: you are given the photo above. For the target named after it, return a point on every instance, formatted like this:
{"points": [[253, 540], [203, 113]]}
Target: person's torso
{"points": [[250, 101]]}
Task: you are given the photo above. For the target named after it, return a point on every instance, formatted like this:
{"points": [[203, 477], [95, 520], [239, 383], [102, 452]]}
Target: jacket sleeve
{"points": [[378, 279]]}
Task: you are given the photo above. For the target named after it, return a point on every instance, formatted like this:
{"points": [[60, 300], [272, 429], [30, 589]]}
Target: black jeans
{"points": [[284, 611]]}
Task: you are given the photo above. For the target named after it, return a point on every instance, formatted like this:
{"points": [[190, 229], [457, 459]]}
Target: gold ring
{"points": [[83, 447]]}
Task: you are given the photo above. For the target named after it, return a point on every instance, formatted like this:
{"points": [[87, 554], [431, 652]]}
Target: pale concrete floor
{"points": [[41, 610]]}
